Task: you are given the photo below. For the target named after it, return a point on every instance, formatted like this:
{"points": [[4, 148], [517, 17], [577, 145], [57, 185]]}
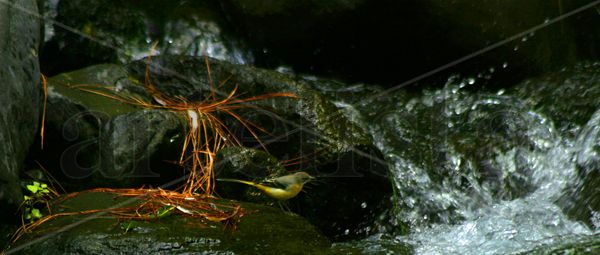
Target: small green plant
{"points": [[39, 195]]}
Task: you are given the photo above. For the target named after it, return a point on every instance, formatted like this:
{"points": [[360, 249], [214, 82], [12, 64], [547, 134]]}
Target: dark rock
{"points": [[111, 144], [119, 31], [569, 97], [323, 124], [372, 245], [582, 201], [20, 96], [261, 230], [584, 245], [330, 146], [246, 164], [105, 142], [130, 144], [6, 232]]}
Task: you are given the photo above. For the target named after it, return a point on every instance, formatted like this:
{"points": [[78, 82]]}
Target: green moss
{"points": [[262, 230], [96, 76]]}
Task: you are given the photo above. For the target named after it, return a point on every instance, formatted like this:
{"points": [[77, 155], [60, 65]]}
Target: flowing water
{"points": [[475, 172]]}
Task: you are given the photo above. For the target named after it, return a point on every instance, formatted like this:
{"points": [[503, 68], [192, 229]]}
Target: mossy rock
{"points": [[311, 122], [261, 230], [103, 141], [246, 164], [310, 129], [569, 97], [108, 143]]}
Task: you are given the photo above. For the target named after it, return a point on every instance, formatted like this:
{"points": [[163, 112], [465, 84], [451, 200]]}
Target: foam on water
{"points": [[476, 219]]}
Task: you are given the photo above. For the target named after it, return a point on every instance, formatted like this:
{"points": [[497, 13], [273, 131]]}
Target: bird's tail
{"points": [[238, 181], [256, 185]]}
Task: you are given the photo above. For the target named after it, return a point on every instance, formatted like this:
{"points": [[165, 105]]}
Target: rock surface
{"points": [[20, 96], [103, 141], [330, 145], [262, 230], [119, 31], [582, 201], [569, 97], [584, 245], [111, 144]]}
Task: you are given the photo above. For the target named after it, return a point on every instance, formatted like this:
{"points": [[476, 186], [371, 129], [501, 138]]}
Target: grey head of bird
{"points": [[296, 178]]}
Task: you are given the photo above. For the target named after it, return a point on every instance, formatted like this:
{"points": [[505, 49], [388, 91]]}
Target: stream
{"points": [[477, 172]]}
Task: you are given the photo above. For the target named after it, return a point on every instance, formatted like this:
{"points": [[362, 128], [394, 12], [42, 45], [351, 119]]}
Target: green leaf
{"points": [[44, 186], [36, 213], [26, 198], [32, 188], [161, 212], [127, 225]]}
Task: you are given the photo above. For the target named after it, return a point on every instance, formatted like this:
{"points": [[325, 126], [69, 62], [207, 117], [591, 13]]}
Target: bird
{"points": [[280, 188]]}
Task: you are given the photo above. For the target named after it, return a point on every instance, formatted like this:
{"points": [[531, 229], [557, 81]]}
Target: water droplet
{"points": [[492, 70], [505, 65], [516, 48], [265, 50], [546, 20], [363, 205], [524, 39], [347, 231], [285, 69], [471, 81]]}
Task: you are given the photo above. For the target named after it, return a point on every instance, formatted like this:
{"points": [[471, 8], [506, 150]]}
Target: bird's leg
{"points": [[284, 207]]}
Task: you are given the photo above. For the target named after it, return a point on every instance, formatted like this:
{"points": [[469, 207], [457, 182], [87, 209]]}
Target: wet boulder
{"points": [[569, 97], [260, 230], [307, 132], [119, 31], [582, 201], [570, 244], [97, 141], [21, 96], [245, 164]]}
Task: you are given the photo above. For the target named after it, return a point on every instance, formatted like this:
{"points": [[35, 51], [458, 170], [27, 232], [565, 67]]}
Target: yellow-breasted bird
{"points": [[281, 188]]}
